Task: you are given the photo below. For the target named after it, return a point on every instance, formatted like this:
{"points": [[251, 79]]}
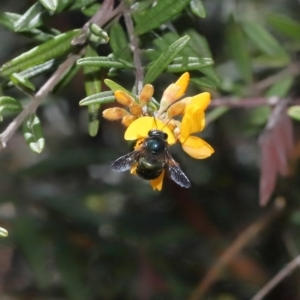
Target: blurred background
{"points": [[79, 231]]}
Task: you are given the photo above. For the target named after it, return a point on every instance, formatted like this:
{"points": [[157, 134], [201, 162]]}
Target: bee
{"points": [[152, 157]]}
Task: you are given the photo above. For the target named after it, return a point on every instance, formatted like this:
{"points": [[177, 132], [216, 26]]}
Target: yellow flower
{"points": [[140, 128], [141, 117]]}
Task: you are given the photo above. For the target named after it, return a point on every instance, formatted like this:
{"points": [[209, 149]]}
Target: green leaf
{"points": [[78, 4], [119, 43], [100, 98], [162, 12], [281, 88], [50, 5], [239, 53], [198, 43], [263, 39], [294, 112], [104, 62], [197, 46], [21, 82], [92, 85], [165, 59], [9, 104], [90, 10], [182, 64], [266, 61], [56, 47], [68, 76], [204, 82], [32, 18], [33, 134], [198, 8], [8, 20], [285, 25]]}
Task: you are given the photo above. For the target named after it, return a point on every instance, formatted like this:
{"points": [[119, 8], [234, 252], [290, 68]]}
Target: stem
{"points": [[232, 251], [283, 273], [134, 46], [36, 100]]}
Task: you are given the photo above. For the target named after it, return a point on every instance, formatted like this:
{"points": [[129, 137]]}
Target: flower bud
{"points": [[114, 113], [146, 94], [170, 123], [128, 119], [124, 98], [176, 109], [136, 110]]}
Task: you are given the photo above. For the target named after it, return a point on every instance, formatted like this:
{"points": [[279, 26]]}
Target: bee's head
{"points": [[158, 133]]}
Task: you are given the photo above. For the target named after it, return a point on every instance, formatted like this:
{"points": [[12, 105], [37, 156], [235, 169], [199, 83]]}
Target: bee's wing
{"points": [[175, 173], [124, 162]]}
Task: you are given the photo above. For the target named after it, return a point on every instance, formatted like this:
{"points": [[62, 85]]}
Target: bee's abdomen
{"points": [[149, 168], [148, 174]]}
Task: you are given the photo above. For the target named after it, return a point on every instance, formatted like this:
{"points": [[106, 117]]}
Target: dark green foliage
{"points": [[77, 230]]}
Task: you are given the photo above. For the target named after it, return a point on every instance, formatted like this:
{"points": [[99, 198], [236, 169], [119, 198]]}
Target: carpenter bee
{"points": [[152, 157]]}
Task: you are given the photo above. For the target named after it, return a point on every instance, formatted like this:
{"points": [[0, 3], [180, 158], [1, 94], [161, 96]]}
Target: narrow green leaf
{"points": [[104, 62], [92, 85], [10, 104], [198, 43], [50, 5], [100, 98], [119, 43], [56, 47], [41, 68], [197, 46], [165, 59], [204, 82], [281, 88], [285, 25], [182, 64], [90, 10], [21, 82], [267, 61], [294, 112], [162, 12], [263, 39], [32, 18], [198, 8], [239, 53], [8, 20], [33, 134], [68, 76], [78, 4]]}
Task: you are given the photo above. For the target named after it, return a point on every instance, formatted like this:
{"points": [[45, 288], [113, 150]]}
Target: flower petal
{"points": [[197, 148], [201, 100], [192, 121], [183, 82], [158, 182], [141, 127], [173, 92]]}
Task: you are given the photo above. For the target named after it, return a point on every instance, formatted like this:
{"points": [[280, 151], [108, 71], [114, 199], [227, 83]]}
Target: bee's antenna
{"points": [[155, 122]]}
